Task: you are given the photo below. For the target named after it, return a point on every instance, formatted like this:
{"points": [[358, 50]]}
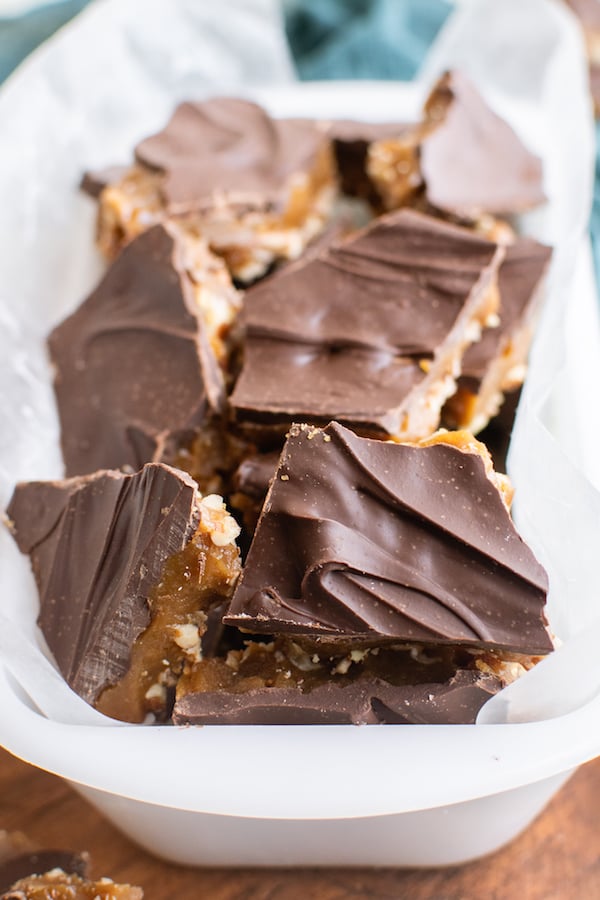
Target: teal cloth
{"points": [[328, 38], [20, 35], [361, 38]]}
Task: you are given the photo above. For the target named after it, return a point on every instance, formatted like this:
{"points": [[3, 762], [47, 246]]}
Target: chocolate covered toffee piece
{"points": [[463, 159], [38, 862], [366, 541], [370, 332], [127, 567], [137, 365], [279, 683], [57, 885], [497, 363], [256, 189]]}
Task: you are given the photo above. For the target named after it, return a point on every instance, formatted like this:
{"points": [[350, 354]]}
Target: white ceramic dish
{"points": [[328, 795]]}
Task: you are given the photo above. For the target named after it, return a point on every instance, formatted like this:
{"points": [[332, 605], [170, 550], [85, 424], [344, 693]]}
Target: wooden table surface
{"points": [[558, 858]]}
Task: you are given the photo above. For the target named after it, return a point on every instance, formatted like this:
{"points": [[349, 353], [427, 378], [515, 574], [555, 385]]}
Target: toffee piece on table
{"points": [[365, 541], [127, 567], [370, 332]]}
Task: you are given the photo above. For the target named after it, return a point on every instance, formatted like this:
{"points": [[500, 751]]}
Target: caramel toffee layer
{"points": [[369, 332], [100, 548], [279, 684], [231, 146], [135, 374], [368, 540]]}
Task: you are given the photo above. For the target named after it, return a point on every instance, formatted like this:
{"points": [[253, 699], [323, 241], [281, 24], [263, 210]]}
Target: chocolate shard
{"points": [[367, 541], [98, 545], [40, 861], [370, 332], [244, 154], [134, 368], [519, 279], [471, 160], [94, 182], [365, 701]]}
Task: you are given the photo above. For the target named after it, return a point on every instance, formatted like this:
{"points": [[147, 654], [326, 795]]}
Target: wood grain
{"points": [[558, 858]]}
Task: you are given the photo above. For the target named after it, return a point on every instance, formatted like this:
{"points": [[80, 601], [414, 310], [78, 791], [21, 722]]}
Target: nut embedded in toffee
{"points": [[127, 567], [369, 333], [367, 541]]}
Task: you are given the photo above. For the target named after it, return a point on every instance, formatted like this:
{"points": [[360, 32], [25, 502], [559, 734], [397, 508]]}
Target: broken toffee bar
{"points": [[363, 542], [280, 683], [462, 159], [127, 567], [257, 189], [497, 363], [138, 363], [370, 332]]}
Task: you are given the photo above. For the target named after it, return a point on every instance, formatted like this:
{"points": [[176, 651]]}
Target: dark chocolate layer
{"points": [[365, 701], [229, 147], [135, 374], [350, 145], [472, 162], [94, 182], [519, 280], [98, 545], [345, 335], [367, 540]]}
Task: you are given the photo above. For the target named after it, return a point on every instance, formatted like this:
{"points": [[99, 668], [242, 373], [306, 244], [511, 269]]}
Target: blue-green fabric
{"points": [[361, 38], [341, 39], [19, 36]]}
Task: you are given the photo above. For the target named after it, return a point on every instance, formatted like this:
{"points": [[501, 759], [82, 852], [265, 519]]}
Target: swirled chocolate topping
{"points": [[369, 540], [98, 545], [520, 276], [231, 147], [134, 369], [364, 332], [471, 160]]}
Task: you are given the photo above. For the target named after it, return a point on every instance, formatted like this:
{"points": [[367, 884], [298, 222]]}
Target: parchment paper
{"points": [[112, 77]]}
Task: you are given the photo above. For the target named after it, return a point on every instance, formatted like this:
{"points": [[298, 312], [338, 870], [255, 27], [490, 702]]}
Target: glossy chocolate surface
{"points": [[364, 701], [98, 545], [345, 335], [369, 540], [135, 374], [230, 147], [472, 162]]}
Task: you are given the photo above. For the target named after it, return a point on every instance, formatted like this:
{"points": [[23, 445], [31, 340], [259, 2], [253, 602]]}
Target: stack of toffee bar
{"points": [[262, 521]]}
